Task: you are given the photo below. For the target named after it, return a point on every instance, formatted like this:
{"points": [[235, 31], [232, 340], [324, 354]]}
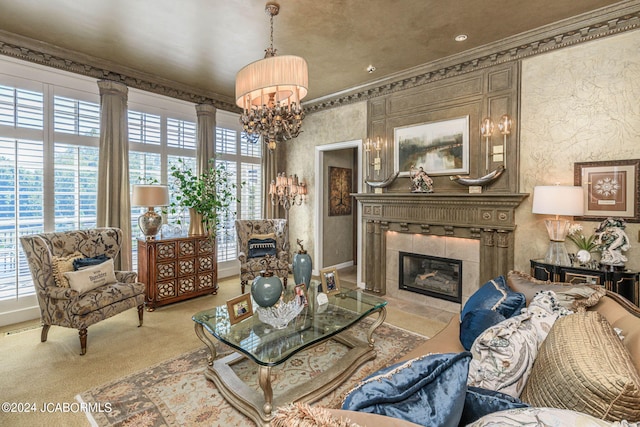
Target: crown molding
{"points": [[50, 55], [607, 21]]}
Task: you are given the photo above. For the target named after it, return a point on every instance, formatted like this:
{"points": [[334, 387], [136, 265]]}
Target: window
{"points": [[49, 155], [243, 159], [48, 167]]}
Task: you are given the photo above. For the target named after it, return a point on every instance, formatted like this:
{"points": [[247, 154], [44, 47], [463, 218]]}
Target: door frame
{"points": [[319, 203]]}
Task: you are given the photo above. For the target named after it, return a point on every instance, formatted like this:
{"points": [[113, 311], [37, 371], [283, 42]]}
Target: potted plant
{"points": [[209, 196]]}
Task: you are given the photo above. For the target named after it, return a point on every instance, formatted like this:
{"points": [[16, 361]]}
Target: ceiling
{"points": [[203, 43]]}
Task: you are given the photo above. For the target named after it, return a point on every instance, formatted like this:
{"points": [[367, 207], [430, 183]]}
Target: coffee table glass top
{"points": [[270, 346]]}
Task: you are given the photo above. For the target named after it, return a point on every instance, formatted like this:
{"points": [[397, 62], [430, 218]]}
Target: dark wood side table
{"points": [[177, 269], [622, 282]]}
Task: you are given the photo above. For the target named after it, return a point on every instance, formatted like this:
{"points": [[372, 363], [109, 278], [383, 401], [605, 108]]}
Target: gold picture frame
{"points": [[611, 189], [239, 308], [330, 281]]}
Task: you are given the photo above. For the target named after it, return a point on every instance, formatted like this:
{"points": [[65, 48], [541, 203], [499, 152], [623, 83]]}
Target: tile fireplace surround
{"points": [[476, 228]]}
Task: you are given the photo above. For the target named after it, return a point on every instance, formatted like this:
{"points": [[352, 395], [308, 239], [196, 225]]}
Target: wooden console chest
{"points": [[177, 269]]}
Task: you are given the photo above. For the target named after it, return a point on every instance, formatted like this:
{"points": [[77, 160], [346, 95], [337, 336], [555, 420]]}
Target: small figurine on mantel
{"points": [[612, 240], [420, 181]]}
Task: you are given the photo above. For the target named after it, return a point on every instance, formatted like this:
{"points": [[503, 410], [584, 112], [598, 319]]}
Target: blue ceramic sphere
{"points": [[266, 289]]}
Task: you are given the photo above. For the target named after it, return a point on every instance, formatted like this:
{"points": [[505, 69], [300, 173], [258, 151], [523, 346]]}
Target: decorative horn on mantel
{"points": [[382, 184], [483, 180]]}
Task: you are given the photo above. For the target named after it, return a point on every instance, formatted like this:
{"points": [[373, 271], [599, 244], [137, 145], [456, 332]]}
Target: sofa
{"points": [[575, 362]]}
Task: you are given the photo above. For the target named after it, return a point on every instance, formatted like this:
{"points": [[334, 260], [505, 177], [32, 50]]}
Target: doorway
{"points": [[334, 224]]}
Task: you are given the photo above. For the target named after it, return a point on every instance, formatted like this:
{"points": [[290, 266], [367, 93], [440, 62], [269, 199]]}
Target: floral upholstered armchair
{"points": [[78, 299], [262, 246]]}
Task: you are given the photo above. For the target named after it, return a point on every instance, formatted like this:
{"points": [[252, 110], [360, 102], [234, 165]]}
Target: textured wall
{"points": [[578, 104], [346, 123]]}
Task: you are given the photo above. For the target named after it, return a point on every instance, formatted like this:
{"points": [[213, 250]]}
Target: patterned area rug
{"points": [[176, 392]]}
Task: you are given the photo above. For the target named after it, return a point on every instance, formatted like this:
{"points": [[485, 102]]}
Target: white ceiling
{"points": [[203, 43]]}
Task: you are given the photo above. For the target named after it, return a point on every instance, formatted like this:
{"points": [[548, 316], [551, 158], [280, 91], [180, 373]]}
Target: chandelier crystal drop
{"points": [[269, 91]]}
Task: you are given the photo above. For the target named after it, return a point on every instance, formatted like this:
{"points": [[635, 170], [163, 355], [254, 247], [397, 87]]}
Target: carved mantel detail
{"points": [[489, 218]]}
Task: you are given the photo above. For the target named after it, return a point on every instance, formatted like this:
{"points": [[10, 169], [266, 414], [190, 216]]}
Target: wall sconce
{"points": [[369, 147], [287, 191], [496, 153]]}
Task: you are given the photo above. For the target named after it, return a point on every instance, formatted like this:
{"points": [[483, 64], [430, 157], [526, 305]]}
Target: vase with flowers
{"points": [[210, 196], [586, 245]]}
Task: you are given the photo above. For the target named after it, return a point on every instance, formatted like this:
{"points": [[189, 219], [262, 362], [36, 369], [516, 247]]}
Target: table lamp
{"points": [[558, 200], [150, 196]]}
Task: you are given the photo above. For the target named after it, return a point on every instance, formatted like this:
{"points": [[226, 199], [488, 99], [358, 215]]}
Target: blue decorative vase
{"points": [[266, 289], [302, 268]]}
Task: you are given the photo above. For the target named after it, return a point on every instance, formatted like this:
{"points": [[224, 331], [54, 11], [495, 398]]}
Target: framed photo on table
{"points": [[330, 281], [610, 189], [239, 308], [441, 148]]}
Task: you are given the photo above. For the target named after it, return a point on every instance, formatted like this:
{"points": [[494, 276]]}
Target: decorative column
{"points": [[504, 252], [487, 254], [206, 136], [114, 205], [369, 275]]}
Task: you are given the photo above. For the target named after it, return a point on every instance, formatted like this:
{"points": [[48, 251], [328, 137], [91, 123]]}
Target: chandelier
{"points": [[269, 92]]}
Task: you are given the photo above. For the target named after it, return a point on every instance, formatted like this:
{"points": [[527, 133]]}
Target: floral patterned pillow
{"points": [[504, 354]]}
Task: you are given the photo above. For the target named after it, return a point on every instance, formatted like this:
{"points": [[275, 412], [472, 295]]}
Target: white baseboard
{"points": [[336, 266], [19, 315]]}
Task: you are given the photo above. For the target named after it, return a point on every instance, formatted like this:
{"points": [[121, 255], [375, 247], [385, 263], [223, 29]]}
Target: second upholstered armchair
{"points": [[262, 246]]}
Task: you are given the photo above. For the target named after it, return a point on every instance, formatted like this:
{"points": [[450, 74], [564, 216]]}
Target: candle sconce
{"points": [[371, 146], [496, 153]]}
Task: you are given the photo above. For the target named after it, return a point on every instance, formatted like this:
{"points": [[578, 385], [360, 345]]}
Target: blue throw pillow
{"points": [[475, 323], [259, 248], [429, 390], [497, 296], [480, 402], [80, 263]]}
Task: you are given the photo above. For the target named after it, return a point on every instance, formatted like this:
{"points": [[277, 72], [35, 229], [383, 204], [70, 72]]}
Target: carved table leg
{"points": [[382, 314], [265, 384], [205, 339]]}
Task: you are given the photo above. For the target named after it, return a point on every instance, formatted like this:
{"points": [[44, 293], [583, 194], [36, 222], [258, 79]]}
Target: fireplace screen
{"points": [[433, 276]]}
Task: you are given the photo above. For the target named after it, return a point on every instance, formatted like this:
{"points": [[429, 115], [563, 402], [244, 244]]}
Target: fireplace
{"points": [[431, 275]]}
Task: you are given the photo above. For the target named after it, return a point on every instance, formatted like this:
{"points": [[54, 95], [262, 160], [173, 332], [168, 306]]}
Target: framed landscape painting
{"points": [[441, 148], [610, 189]]}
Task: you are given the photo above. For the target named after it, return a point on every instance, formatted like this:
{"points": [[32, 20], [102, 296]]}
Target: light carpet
{"points": [[176, 392]]}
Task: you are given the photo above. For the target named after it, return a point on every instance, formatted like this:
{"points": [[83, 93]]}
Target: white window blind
{"points": [[21, 211], [144, 128], [76, 117], [76, 184], [21, 108], [251, 206]]}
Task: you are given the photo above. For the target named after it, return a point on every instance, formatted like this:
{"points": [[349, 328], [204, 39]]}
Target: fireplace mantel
{"points": [[488, 217]]}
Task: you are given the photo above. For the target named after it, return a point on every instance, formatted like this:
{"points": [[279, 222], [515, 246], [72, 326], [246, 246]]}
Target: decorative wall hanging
{"points": [[340, 189], [442, 148], [611, 189]]}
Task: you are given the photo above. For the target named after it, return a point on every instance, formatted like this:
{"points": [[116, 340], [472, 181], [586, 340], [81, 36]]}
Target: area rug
{"points": [[176, 392]]}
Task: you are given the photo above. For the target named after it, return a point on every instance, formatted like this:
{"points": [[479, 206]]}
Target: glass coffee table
{"points": [[269, 347]]}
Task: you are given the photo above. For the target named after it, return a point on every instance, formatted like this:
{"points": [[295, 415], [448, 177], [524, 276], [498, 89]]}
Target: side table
{"points": [[622, 282]]}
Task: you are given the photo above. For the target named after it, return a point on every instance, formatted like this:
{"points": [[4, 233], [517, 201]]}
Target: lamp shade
{"points": [[564, 200], [150, 195], [285, 78]]}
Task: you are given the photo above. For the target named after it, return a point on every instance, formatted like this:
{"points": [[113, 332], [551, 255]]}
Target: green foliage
{"points": [[212, 193]]}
